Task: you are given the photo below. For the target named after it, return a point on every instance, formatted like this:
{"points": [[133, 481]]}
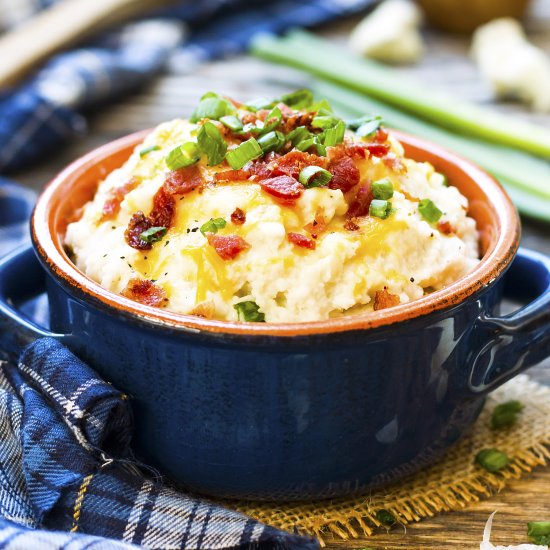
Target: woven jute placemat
{"points": [[450, 484]]}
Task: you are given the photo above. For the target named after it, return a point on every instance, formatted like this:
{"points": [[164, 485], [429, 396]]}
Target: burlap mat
{"points": [[449, 485]]}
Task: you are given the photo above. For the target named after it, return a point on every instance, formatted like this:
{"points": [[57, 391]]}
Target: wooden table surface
{"points": [[446, 66]]}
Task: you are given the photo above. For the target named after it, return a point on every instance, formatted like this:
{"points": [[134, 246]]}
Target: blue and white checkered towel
{"points": [[68, 478]]}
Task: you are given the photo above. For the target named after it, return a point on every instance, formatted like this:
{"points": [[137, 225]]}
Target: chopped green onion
{"points": [[386, 518], [212, 107], [272, 120], [429, 211], [232, 122], [211, 142], [300, 99], [368, 129], [251, 128], [539, 532], [382, 189], [324, 121], [182, 156], [305, 144], [506, 414], [314, 176], [153, 234], [249, 311], [212, 225], [298, 134], [272, 141], [380, 208], [245, 152], [321, 148], [209, 94], [322, 105], [492, 460], [335, 135], [260, 103], [147, 150]]}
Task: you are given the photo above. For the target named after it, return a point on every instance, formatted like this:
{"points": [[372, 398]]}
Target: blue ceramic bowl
{"points": [[294, 411]]}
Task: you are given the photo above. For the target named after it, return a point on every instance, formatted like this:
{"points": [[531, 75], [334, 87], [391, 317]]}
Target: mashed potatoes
{"points": [[273, 214]]}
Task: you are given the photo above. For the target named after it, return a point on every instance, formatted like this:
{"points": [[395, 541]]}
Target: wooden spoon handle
{"points": [[58, 27]]}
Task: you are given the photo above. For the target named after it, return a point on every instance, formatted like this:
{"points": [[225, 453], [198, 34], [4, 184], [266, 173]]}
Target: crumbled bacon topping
{"points": [[145, 292], [351, 225], [292, 163], [232, 175], [383, 299], [112, 205], [345, 174], [284, 187], [228, 247], [318, 225], [205, 310], [381, 135], [377, 149], [446, 228], [360, 204], [301, 240], [238, 216], [178, 182]]}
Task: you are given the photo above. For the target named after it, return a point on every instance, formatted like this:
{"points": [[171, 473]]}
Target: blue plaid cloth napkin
{"points": [[47, 110], [68, 478]]}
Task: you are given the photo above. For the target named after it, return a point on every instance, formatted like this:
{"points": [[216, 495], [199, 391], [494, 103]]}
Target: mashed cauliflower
{"points": [[194, 230]]}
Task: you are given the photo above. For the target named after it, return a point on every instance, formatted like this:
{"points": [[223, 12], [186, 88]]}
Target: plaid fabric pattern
{"points": [[47, 111], [68, 478]]}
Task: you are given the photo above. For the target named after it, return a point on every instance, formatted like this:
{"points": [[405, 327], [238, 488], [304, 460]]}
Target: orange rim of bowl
{"points": [[500, 246]]}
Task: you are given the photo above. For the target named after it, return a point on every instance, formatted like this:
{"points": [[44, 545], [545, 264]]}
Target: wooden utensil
{"points": [[58, 27]]}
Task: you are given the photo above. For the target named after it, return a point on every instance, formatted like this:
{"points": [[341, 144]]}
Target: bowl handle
{"points": [[21, 278], [513, 343]]}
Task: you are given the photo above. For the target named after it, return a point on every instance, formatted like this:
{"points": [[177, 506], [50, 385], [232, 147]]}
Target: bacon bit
{"points": [[183, 180], [345, 174], [136, 226], [177, 182], [318, 225], [232, 175], [249, 118], [381, 136], [394, 163], [238, 217], [359, 206], [145, 292], [292, 163], [378, 149], [112, 205], [350, 225], [357, 150], [228, 247], [283, 187], [446, 228], [204, 310], [383, 299], [301, 240], [292, 121]]}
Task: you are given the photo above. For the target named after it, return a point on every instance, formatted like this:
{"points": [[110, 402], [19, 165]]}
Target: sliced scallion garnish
{"points": [[212, 107], [249, 311], [272, 141], [260, 103], [324, 121], [429, 211], [212, 225], [232, 122], [182, 156], [272, 120], [245, 152], [211, 143], [314, 176], [380, 208], [147, 150], [299, 99], [305, 144], [492, 460], [335, 135], [153, 234], [298, 134], [382, 189]]}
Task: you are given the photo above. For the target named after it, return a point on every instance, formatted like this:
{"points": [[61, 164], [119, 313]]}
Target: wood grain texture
{"points": [[446, 66]]}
